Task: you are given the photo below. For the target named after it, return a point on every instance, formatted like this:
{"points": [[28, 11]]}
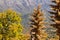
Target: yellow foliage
{"points": [[0, 36], [0, 24], [13, 27], [10, 26]]}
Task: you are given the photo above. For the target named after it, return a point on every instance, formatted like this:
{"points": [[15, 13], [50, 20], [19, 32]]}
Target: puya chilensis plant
{"points": [[37, 24], [56, 16]]}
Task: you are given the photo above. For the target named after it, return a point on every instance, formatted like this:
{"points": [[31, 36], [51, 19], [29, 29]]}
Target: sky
{"points": [[23, 6]]}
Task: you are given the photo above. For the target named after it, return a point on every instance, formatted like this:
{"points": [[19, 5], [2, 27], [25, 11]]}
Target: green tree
{"points": [[10, 26], [56, 16], [37, 25]]}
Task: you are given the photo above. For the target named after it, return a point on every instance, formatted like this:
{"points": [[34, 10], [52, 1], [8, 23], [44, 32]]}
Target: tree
{"points": [[56, 16], [10, 26], [37, 25]]}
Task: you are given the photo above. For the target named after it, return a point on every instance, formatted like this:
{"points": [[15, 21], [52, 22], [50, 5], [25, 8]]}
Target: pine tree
{"points": [[56, 16], [10, 26], [37, 24]]}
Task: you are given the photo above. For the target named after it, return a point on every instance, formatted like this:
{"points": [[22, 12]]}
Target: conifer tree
{"points": [[10, 26], [56, 16], [37, 24]]}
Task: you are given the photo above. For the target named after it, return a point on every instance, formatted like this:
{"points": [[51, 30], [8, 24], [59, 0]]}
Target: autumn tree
{"points": [[37, 24], [10, 26], [56, 15]]}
